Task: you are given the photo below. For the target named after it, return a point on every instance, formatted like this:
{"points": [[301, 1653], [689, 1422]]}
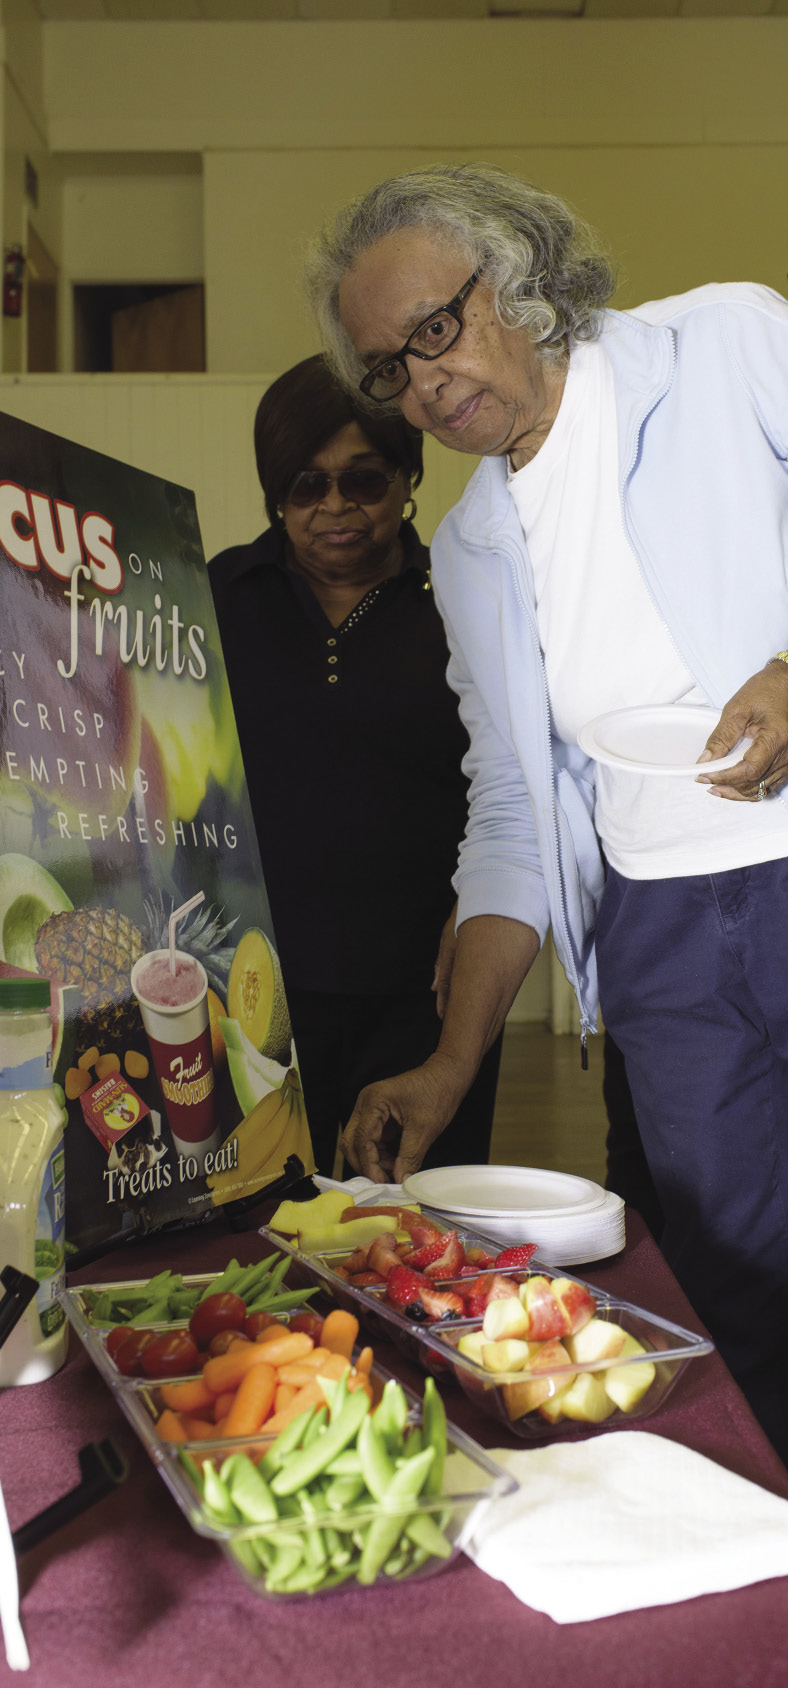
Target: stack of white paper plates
{"points": [[570, 1219]]}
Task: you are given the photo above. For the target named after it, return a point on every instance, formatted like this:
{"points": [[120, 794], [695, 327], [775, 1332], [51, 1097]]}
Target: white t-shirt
{"points": [[606, 646]]}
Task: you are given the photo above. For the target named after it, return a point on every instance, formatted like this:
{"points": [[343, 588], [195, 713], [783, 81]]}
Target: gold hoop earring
{"points": [[410, 515]]}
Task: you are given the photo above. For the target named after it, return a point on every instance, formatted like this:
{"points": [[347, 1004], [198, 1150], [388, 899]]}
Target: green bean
{"points": [[153, 1313], [392, 1413], [216, 1496], [224, 1282], [347, 1464], [282, 1302]]}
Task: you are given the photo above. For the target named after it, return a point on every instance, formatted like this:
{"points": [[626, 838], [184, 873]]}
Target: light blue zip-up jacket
{"points": [[701, 385]]}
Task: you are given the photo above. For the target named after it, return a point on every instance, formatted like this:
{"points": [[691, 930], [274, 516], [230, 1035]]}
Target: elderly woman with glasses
{"points": [[623, 543], [352, 746]]}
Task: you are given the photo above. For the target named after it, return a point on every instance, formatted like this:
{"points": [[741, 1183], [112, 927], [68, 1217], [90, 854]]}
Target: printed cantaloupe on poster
{"points": [[123, 798]]}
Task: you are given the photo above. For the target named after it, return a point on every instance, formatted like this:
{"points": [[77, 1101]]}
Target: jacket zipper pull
{"points": [[584, 1050]]}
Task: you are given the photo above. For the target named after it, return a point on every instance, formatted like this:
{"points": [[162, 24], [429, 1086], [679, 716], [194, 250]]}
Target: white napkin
{"points": [[623, 1521]]}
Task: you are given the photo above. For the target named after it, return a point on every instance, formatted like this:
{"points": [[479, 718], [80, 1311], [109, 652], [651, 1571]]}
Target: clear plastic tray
{"points": [[434, 1346], [472, 1479]]}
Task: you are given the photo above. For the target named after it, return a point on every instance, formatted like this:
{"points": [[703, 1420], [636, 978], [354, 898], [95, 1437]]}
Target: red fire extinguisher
{"points": [[13, 280]]}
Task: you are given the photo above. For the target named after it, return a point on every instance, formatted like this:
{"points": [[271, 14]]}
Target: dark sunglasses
{"points": [[356, 486]]}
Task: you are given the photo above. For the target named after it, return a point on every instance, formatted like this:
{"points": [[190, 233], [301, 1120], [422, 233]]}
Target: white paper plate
{"points": [[491, 1192], [660, 740]]}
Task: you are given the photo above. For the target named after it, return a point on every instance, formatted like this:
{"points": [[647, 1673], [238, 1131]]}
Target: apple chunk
{"points": [[626, 1385], [505, 1318], [547, 1316], [586, 1400], [598, 1340], [525, 1394], [470, 1345], [578, 1303], [505, 1356]]}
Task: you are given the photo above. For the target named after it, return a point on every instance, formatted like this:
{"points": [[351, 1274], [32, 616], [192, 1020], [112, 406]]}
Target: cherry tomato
{"points": [[128, 1355], [309, 1322], [116, 1338], [171, 1354], [220, 1343], [255, 1322], [215, 1313]]}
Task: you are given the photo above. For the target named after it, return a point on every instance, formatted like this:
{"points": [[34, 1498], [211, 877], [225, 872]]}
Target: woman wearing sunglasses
{"points": [[352, 746]]}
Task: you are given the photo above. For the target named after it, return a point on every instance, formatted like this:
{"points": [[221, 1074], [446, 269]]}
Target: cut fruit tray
{"points": [[526, 1400], [471, 1478]]}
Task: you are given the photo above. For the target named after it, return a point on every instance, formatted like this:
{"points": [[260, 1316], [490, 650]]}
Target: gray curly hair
{"points": [[546, 269]]}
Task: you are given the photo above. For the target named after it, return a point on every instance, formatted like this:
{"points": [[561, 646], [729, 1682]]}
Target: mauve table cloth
{"points": [[128, 1595]]}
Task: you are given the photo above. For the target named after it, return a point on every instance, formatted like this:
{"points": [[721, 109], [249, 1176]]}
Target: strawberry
{"points": [[441, 1303], [518, 1256], [475, 1305], [451, 1261], [421, 1257], [403, 1288], [362, 1280]]}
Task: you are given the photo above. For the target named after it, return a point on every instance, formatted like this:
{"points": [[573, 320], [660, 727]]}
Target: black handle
{"points": [[19, 1290], [103, 1468]]}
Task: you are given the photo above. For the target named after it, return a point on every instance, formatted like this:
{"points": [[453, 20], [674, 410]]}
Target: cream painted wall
{"points": [[133, 228]]}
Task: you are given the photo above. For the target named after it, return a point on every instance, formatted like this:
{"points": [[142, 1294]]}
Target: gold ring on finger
{"points": [[762, 792]]}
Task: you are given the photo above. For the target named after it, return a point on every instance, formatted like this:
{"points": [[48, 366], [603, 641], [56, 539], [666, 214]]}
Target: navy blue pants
{"points": [[694, 989]]}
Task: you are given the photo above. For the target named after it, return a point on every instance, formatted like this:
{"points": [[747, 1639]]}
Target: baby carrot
{"points": [[187, 1397], [300, 1371], [170, 1427], [310, 1396], [364, 1361], [198, 1429], [290, 1345], [340, 1330], [222, 1404], [285, 1393], [253, 1401], [226, 1370]]}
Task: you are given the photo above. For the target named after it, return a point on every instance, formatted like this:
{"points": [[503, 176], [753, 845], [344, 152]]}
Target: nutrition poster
{"points": [[123, 799]]}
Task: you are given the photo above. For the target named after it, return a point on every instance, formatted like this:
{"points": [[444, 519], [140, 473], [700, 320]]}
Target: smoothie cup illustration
{"points": [[174, 1009]]}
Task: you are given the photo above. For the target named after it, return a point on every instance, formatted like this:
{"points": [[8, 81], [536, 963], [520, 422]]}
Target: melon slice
{"points": [[256, 996], [253, 1074]]}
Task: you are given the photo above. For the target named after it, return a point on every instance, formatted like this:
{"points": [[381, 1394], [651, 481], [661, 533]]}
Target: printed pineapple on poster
{"points": [[123, 798]]}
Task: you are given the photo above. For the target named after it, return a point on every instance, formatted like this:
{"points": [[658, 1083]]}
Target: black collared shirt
{"points": [[352, 746]]}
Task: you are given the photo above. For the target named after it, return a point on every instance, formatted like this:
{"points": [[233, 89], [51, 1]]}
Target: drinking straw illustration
{"points": [[178, 914]]}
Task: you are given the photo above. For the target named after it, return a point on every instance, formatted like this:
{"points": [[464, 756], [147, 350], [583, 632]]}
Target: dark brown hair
{"points": [[301, 411]]}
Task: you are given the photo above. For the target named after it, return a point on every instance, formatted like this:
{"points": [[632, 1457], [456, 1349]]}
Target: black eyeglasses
{"points": [[433, 336], [356, 486]]}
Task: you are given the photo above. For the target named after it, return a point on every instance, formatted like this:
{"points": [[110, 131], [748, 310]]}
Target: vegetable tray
{"points": [[305, 1545]]}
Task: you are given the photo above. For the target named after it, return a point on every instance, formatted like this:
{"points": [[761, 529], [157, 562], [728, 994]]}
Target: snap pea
{"points": [[423, 1530], [216, 1496], [286, 1441], [347, 1464], [385, 1530], [245, 1553], [287, 1558], [248, 1490], [309, 1462], [376, 1467], [392, 1413], [343, 1493], [434, 1422], [313, 1430]]}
